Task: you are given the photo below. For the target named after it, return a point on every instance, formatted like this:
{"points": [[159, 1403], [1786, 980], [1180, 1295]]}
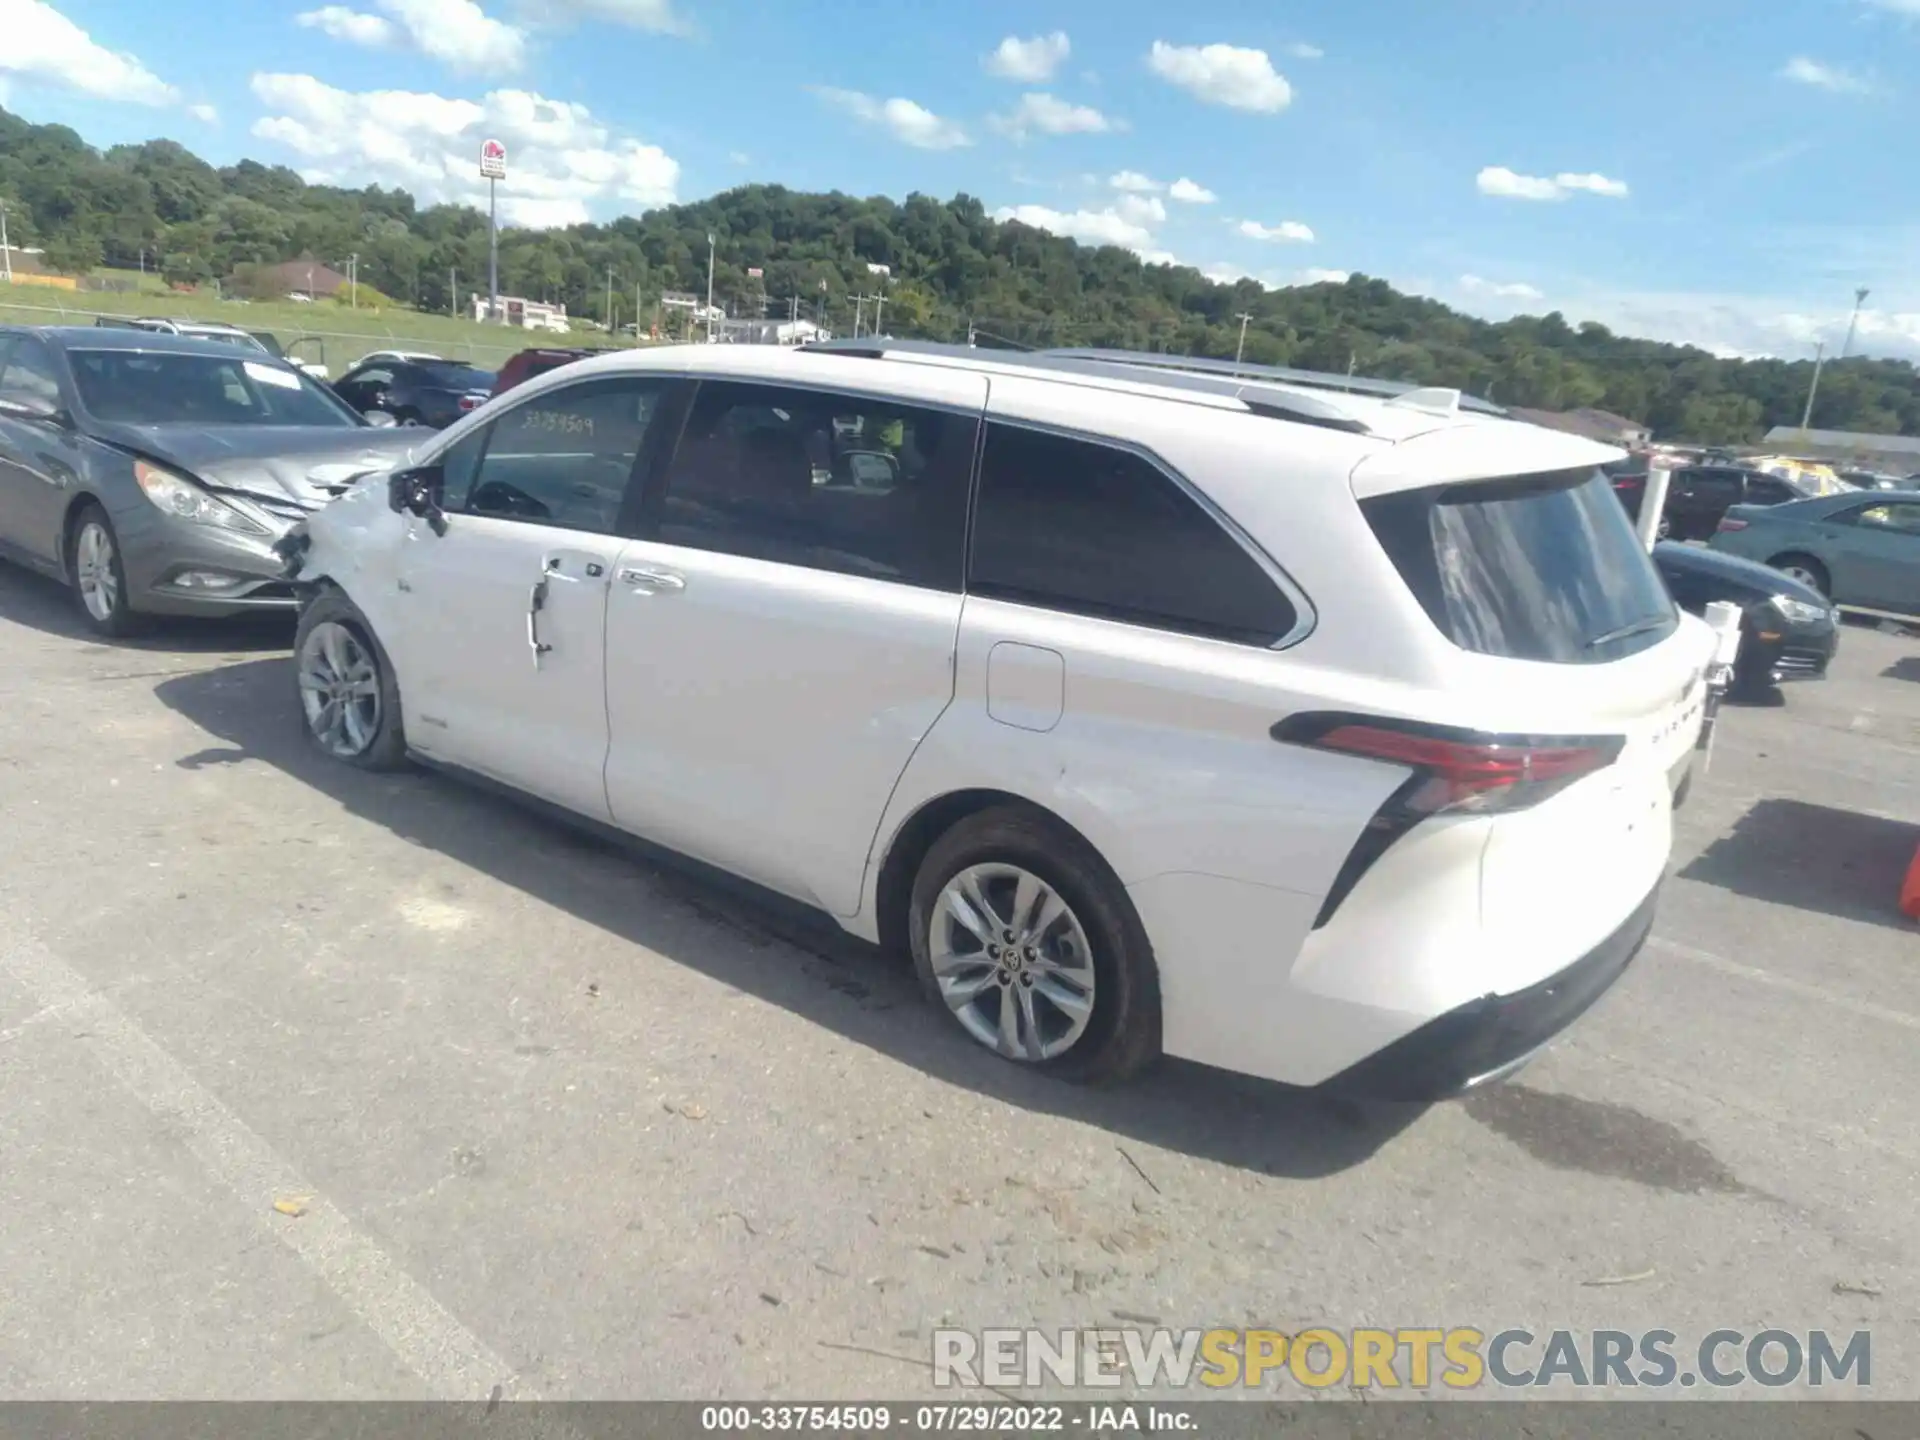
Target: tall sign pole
{"points": [[493, 169]]}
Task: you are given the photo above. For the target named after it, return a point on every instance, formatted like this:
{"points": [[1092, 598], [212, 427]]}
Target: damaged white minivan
{"points": [[1330, 735]]}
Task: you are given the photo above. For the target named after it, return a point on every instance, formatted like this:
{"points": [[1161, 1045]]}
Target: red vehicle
{"points": [[529, 363]]}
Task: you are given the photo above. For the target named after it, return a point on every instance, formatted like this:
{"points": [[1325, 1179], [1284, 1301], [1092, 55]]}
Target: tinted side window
{"points": [[1087, 528], [851, 484], [1713, 488], [30, 371], [1768, 491], [459, 463], [566, 457]]}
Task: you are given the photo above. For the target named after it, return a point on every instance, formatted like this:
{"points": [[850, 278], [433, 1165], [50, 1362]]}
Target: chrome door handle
{"points": [[536, 602], [647, 578]]}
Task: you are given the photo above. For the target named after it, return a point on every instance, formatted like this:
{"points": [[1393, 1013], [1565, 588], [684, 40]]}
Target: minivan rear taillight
{"points": [[1453, 772]]}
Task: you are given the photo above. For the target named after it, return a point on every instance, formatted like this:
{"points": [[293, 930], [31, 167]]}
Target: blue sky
{"points": [[1719, 171]]}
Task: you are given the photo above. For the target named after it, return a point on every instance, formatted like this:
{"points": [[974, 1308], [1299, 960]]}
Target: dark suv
{"points": [[434, 393], [1699, 495]]}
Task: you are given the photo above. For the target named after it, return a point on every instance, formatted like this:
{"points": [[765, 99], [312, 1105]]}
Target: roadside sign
{"points": [[754, 272], [493, 160]]}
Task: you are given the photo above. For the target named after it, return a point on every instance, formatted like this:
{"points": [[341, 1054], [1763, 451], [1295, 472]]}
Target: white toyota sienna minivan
{"points": [[1152, 706]]}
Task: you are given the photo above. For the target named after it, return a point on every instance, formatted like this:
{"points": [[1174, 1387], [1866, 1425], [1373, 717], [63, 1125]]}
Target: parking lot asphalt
{"points": [[557, 1119]]}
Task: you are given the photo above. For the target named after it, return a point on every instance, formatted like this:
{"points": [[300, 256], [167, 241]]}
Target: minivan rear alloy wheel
{"points": [[1013, 961], [349, 705], [1023, 935]]}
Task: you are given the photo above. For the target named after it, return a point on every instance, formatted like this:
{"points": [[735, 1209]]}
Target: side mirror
{"points": [[380, 420], [417, 492], [19, 405]]}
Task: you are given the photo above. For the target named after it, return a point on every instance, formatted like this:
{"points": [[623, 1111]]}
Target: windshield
{"points": [[1537, 567], [137, 387], [452, 375]]}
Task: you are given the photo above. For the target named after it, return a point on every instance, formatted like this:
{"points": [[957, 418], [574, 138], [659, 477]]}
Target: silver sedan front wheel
{"points": [[339, 690], [96, 571], [1012, 961]]}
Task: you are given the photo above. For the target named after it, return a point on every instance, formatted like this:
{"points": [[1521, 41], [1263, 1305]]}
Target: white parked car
{"points": [[1331, 738]]}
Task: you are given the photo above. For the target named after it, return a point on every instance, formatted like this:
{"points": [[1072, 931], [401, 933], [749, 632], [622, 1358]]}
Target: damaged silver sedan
{"points": [[153, 473]]}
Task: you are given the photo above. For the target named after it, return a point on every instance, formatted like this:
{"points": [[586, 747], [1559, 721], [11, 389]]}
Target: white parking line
{"points": [[1864, 1008], [452, 1361]]}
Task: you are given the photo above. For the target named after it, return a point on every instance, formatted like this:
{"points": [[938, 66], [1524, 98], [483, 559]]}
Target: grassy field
{"points": [[345, 334]]}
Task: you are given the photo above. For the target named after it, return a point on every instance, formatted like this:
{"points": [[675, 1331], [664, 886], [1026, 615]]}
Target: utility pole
{"points": [[1859, 299], [1240, 350], [880, 308], [710, 253], [353, 281], [6, 250], [859, 305], [453, 291], [1819, 357], [609, 300]]}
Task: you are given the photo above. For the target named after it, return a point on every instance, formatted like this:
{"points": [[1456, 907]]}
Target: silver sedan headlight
{"points": [[184, 500]]}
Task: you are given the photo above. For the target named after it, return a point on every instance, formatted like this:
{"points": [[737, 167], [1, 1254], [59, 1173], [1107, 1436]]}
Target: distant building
{"points": [[525, 314], [1591, 424], [767, 332], [1897, 454]]}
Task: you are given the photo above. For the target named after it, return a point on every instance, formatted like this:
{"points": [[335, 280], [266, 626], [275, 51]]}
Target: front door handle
{"points": [[536, 602], [647, 578]]}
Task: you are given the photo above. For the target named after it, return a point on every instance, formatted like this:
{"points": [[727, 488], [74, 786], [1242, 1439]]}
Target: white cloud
{"points": [[1093, 227], [1229, 75], [563, 163], [38, 43], [909, 123], [658, 16], [1142, 209], [1803, 71], [458, 33], [373, 31], [1315, 276], [1507, 184], [1187, 192], [1475, 285], [739, 157], [1158, 257], [205, 114], [1034, 59], [1289, 231], [1134, 181], [1051, 115], [1304, 51]]}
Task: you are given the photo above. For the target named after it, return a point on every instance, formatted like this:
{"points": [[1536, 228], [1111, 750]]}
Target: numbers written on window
{"points": [[564, 422], [1088, 528], [832, 482], [564, 459]]}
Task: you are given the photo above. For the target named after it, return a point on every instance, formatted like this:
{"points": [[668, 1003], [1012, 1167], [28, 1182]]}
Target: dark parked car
{"points": [[1859, 549], [153, 473], [529, 363], [1699, 495], [434, 393], [1788, 630]]}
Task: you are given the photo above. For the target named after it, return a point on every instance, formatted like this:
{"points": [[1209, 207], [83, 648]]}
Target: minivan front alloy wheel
{"points": [[349, 704], [339, 690]]}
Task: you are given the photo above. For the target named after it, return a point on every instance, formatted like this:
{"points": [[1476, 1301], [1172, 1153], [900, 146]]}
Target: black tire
{"points": [[1816, 572], [118, 618], [387, 748], [1122, 1034]]}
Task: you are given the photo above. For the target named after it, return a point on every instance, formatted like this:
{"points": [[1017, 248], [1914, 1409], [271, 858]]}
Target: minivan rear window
{"points": [[1531, 567]]}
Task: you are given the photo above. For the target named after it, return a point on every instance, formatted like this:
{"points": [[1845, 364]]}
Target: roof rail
{"points": [[1273, 374], [1260, 398]]}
